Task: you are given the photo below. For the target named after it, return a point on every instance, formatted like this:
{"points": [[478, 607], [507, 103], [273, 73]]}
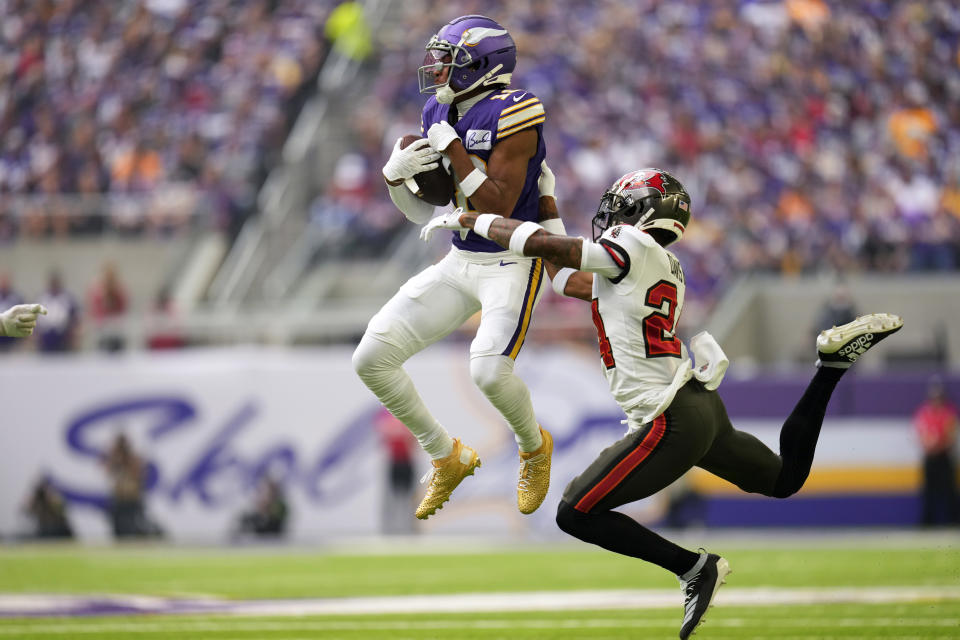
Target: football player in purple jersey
{"points": [[491, 136]]}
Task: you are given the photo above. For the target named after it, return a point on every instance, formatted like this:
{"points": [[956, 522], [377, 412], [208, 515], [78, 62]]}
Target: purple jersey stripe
{"points": [[526, 312]]}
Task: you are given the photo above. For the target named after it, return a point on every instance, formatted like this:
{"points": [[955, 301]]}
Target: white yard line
{"points": [[566, 600], [71, 605], [293, 625]]}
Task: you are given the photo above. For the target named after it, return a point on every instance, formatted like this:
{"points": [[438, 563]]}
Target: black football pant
{"points": [[694, 431]]}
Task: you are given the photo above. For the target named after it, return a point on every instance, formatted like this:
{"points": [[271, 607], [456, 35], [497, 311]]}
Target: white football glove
{"points": [[441, 135], [19, 320], [547, 184], [711, 361], [406, 163], [449, 220]]}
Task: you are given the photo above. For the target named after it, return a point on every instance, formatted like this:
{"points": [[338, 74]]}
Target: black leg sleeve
{"points": [[621, 534], [799, 435]]}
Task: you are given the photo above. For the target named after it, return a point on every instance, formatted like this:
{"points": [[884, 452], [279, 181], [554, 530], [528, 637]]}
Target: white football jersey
{"points": [[636, 316]]}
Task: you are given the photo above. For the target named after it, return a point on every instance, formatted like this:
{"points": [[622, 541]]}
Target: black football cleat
{"points": [[841, 346], [709, 573]]}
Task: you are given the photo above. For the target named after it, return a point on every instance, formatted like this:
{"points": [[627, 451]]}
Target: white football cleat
{"points": [[841, 346], [709, 573]]}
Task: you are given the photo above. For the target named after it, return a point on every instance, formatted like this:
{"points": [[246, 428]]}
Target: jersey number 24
{"points": [[658, 338]]}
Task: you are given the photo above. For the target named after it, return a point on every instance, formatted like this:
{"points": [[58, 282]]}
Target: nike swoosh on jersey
{"points": [[503, 264], [517, 98]]}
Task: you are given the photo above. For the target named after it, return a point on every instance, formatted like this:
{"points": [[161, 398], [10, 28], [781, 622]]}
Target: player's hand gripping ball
{"points": [[434, 186]]}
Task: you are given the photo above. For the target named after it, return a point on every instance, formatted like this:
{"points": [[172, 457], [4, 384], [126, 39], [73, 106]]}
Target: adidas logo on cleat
{"points": [[858, 347], [841, 346]]}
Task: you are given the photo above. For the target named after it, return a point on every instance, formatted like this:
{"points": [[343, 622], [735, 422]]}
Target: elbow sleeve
{"points": [[596, 259], [414, 208]]}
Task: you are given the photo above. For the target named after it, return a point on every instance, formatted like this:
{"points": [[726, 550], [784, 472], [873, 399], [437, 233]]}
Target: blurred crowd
{"points": [[128, 474], [103, 310], [813, 135], [165, 106]]}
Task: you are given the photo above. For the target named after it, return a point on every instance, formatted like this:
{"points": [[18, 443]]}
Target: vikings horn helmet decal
{"points": [[646, 199], [475, 51]]}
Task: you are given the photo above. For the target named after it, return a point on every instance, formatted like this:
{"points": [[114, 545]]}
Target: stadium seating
{"points": [[815, 137]]}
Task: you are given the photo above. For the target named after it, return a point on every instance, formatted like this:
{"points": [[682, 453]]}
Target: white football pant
{"points": [[430, 306]]}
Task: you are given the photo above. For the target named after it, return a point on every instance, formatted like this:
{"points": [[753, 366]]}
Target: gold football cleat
{"points": [[446, 474], [535, 475]]}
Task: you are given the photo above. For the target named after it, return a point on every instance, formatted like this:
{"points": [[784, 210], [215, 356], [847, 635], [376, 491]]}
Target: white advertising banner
{"points": [[211, 423]]}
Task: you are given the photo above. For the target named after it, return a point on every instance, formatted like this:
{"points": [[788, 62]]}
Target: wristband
{"points": [[555, 226], [521, 234], [560, 280], [470, 184], [481, 225]]}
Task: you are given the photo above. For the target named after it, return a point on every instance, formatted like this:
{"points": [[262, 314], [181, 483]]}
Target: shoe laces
{"points": [[690, 588], [523, 478], [432, 474], [428, 475]]}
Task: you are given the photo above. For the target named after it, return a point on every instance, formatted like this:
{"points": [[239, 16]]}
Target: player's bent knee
{"points": [[490, 373], [783, 491], [370, 357], [569, 519], [785, 487], [362, 360]]}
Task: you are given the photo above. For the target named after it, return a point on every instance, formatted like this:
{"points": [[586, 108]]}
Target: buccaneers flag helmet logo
{"points": [[653, 179]]}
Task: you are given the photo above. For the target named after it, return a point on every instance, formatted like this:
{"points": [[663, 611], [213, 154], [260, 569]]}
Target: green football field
{"points": [[877, 588]]}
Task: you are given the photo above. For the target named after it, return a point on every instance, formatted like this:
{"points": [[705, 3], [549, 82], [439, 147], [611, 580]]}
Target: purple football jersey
{"points": [[494, 118]]}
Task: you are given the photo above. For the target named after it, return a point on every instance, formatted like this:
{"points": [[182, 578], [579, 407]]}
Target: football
{"points": [[434, 186]]}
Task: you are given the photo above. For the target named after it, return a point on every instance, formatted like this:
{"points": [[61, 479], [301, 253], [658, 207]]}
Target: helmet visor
{"points": [[610, 204], [435, 70]]}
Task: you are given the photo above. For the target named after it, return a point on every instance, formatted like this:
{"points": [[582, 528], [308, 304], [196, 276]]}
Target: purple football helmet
{"points": [[474, 51]]}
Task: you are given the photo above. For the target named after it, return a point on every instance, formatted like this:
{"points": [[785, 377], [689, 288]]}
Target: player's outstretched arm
{"points": [[19, 320], [577, 284], [533, 240], [571, 282]]}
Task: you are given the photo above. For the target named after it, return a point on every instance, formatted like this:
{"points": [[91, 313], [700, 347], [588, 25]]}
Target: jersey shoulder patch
{"points": [[517, 110]]}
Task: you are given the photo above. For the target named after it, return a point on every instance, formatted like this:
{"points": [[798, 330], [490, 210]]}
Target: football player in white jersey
{"points": [[20, 320], [676, 419]]}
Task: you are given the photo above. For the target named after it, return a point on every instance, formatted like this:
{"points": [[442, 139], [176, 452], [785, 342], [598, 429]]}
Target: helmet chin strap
{"points": [[445, 94]]}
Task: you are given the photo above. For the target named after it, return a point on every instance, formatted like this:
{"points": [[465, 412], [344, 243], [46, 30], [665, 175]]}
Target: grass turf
{"points": [[243, 573], [741, 623], [259, 573]]}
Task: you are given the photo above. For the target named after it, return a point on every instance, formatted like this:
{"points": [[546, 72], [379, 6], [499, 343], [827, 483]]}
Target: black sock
{"points": [[799, 434], [621, 534]]}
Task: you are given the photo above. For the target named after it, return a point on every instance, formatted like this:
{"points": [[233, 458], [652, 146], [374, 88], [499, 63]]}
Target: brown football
{"points": [[434, 186]]}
